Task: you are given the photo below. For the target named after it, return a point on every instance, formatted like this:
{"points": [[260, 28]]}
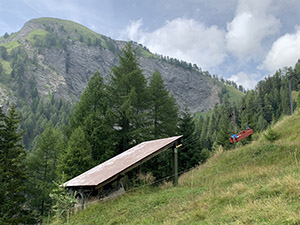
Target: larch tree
{"points": [[163, 118], [42, 164], [163, 109], [78, 156]]}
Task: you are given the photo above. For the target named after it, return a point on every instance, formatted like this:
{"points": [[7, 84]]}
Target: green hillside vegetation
{"points": [[10, 45], [32, 36], [131, 109], [203, 114], [77, 32], [234, 97], [6, 66], [234, 94], [258, 183], [68, 26], [69, 29], [295, 95]]}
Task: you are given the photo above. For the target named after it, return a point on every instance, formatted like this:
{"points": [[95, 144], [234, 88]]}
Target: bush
{"points": [[271, 135], [63, 202], [144, 179], [204, 155]]}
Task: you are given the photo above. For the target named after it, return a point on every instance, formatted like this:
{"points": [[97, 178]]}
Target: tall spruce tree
{"points": [[189, 154], [224, 127], [163, 109], [128, 100], [93, 116], [204, 138], [162, 122], [13, 172], [78, 156]]}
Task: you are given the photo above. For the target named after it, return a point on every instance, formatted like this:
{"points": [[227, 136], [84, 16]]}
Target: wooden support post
{"points": [[82, 198], [175, 166]]}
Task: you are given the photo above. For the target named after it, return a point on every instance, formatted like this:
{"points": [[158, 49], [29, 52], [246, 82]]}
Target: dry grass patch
{"points": [[261, 211]]}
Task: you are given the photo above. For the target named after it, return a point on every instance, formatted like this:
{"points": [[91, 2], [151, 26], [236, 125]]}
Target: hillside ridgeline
{"points": [[60, 57], [254, 184]]}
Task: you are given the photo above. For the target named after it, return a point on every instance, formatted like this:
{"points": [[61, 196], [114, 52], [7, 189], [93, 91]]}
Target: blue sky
{"points": [[240, 40]]}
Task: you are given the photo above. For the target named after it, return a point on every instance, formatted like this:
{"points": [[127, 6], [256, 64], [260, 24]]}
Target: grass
{"points": [[295, 95], [76, 31], [204, 114], [255, 184], [10, 45], [71, 27], [234, 94], [6, 66], [31, 36], [145, 53]]}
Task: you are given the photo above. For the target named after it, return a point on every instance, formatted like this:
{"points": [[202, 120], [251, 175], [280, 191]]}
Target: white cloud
{"points": [[133, 30], [185, 39], [248, 81], [285, 51], [251, 25]]}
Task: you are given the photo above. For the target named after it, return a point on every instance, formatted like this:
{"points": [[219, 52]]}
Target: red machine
{"points": [[243, 134]]}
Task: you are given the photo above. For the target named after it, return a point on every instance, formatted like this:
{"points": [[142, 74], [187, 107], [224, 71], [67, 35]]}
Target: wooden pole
{"points": [[175, 166]]}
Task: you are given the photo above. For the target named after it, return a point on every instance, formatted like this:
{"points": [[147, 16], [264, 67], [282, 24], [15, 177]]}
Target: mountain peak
{"points": [[64, 28], [64, 55]]}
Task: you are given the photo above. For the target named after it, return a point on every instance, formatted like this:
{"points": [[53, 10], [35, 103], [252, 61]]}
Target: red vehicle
{"points": [[240, 136]]}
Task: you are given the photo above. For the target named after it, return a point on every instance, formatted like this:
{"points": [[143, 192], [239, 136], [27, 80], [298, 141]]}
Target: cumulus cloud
{"points": [[185, 39], [251, 25], [248, 81], [285, 51]]}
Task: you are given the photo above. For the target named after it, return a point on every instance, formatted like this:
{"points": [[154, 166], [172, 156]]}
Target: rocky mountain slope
{"points": [[61, 56]]}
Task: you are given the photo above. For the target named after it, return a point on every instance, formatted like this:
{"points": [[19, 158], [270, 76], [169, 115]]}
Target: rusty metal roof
{"points": [[120, 164]]}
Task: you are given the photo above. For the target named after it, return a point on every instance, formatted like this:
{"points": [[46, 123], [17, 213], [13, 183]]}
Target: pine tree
{"points": [[13, 173], [262, 124], [285, 100], [42, 163], [92, 100], [225, 126], [78, 156], [128, 100], [162, 121], [189, 153], [204, 142], [212, 126], [163, 109], [63, 202], [93, 115]]}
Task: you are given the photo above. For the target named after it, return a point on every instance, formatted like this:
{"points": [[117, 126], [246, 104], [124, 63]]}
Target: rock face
{"points": [[67, 54]]}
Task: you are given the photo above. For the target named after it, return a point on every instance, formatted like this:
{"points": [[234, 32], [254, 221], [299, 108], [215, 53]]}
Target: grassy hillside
{"points": [[234, 94], [78, 32], [254, 184]]}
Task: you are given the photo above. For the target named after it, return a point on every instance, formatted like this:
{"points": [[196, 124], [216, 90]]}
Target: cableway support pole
{"points": [[175, 166]]}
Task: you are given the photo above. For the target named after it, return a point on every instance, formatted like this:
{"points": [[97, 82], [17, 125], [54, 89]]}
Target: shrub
{"points": [[271, 135]]}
